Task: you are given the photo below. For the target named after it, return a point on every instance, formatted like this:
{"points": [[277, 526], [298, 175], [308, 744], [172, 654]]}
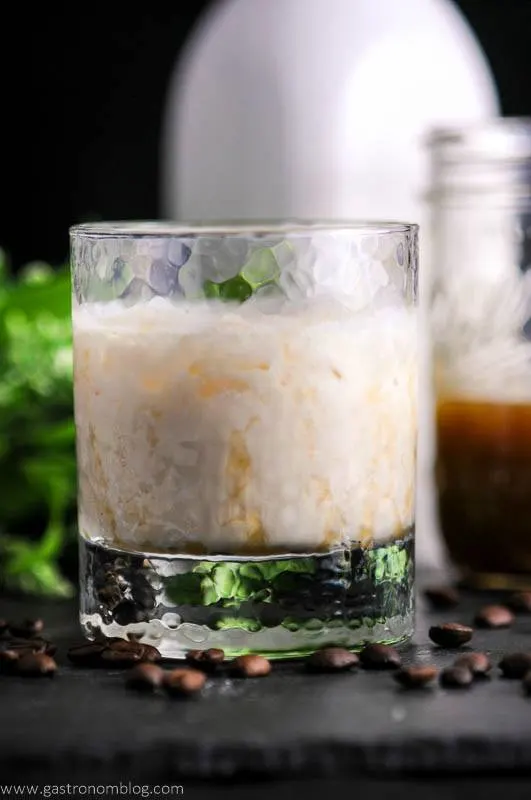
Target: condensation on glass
{"points": [[246, 414], [481, 325]]}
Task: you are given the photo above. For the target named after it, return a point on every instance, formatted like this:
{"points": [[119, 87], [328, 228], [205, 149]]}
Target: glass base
{"points": [[282, 607]]}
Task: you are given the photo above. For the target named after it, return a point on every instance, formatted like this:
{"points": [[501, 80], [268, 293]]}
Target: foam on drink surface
{"points": [[207, 427]]}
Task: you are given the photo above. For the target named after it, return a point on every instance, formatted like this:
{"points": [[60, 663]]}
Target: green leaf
{"points": [[248, 590], [236, 289], [37, 272], [27, 568], [272, 569], [313, 625], [184, 589], [261, 268], [291, 623], [224, 580], [56, 434], [232, 583], [251, 571], [204, 567], [210, 595], [231, 623], [390, 563], [211, 290]]}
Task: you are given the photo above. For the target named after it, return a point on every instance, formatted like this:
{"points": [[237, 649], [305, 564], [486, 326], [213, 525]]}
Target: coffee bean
{"points": [[86, 653], [27, 628], [150, 654], [119, 658], [207, 660], [450, 634], [331, 659], [35, 645], [515, 665], [456, 677], [494, 616], [36, 665], [3, 626], [415, 677], [123, 652], [146, 652], [124, 645], [184, 682], [380, 656], [526, 683], [145, 677], [520, 602], [478, 663], [114, 651], [8, 661], [442, 597], [250, 666]]}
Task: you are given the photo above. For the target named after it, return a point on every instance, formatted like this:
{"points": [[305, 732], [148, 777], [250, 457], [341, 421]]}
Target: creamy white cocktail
{"points": [[276, 424]]}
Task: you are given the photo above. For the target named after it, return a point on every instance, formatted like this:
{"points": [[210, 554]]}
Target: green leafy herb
{"points": [[37, 454], [262, 269], [235, 288], [251, 625], [389, 563], [228, 584]]}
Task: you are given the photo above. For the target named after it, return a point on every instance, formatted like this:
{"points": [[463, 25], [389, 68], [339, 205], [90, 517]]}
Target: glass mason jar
{"points": [[246, 414], [481, 329]]}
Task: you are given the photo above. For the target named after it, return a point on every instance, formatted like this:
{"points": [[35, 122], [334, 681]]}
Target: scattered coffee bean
{"points": [[207, 660], [520, 602], [3, 626], [415, 677], [36, 665], [123, 645], [35, 645], [526, 683], [124, 652], [86, 654], [112, 652], [456, 677], [184, 682], [380, 656], [450, 634], [8, 661], [121, 657], [515, 665], [442, 597], [27, 628], [250, 666], [145, 677], [494, 616], [478, 663], [150, 654], [331, 659]]}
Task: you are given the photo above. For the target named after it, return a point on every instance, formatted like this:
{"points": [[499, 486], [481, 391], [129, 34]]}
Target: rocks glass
{"points": [[246, 414]]}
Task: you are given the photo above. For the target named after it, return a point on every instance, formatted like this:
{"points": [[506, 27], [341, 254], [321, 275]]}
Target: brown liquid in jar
{"points": [[484, 487]]}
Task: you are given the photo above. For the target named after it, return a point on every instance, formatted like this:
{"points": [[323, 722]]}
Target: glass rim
{"points": [[168, 228], [495, 137]]}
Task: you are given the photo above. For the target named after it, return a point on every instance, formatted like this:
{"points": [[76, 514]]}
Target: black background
{"points": [[82, 88]]}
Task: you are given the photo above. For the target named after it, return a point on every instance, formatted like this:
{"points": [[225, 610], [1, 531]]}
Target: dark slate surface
{"points": [[289, 725]]}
